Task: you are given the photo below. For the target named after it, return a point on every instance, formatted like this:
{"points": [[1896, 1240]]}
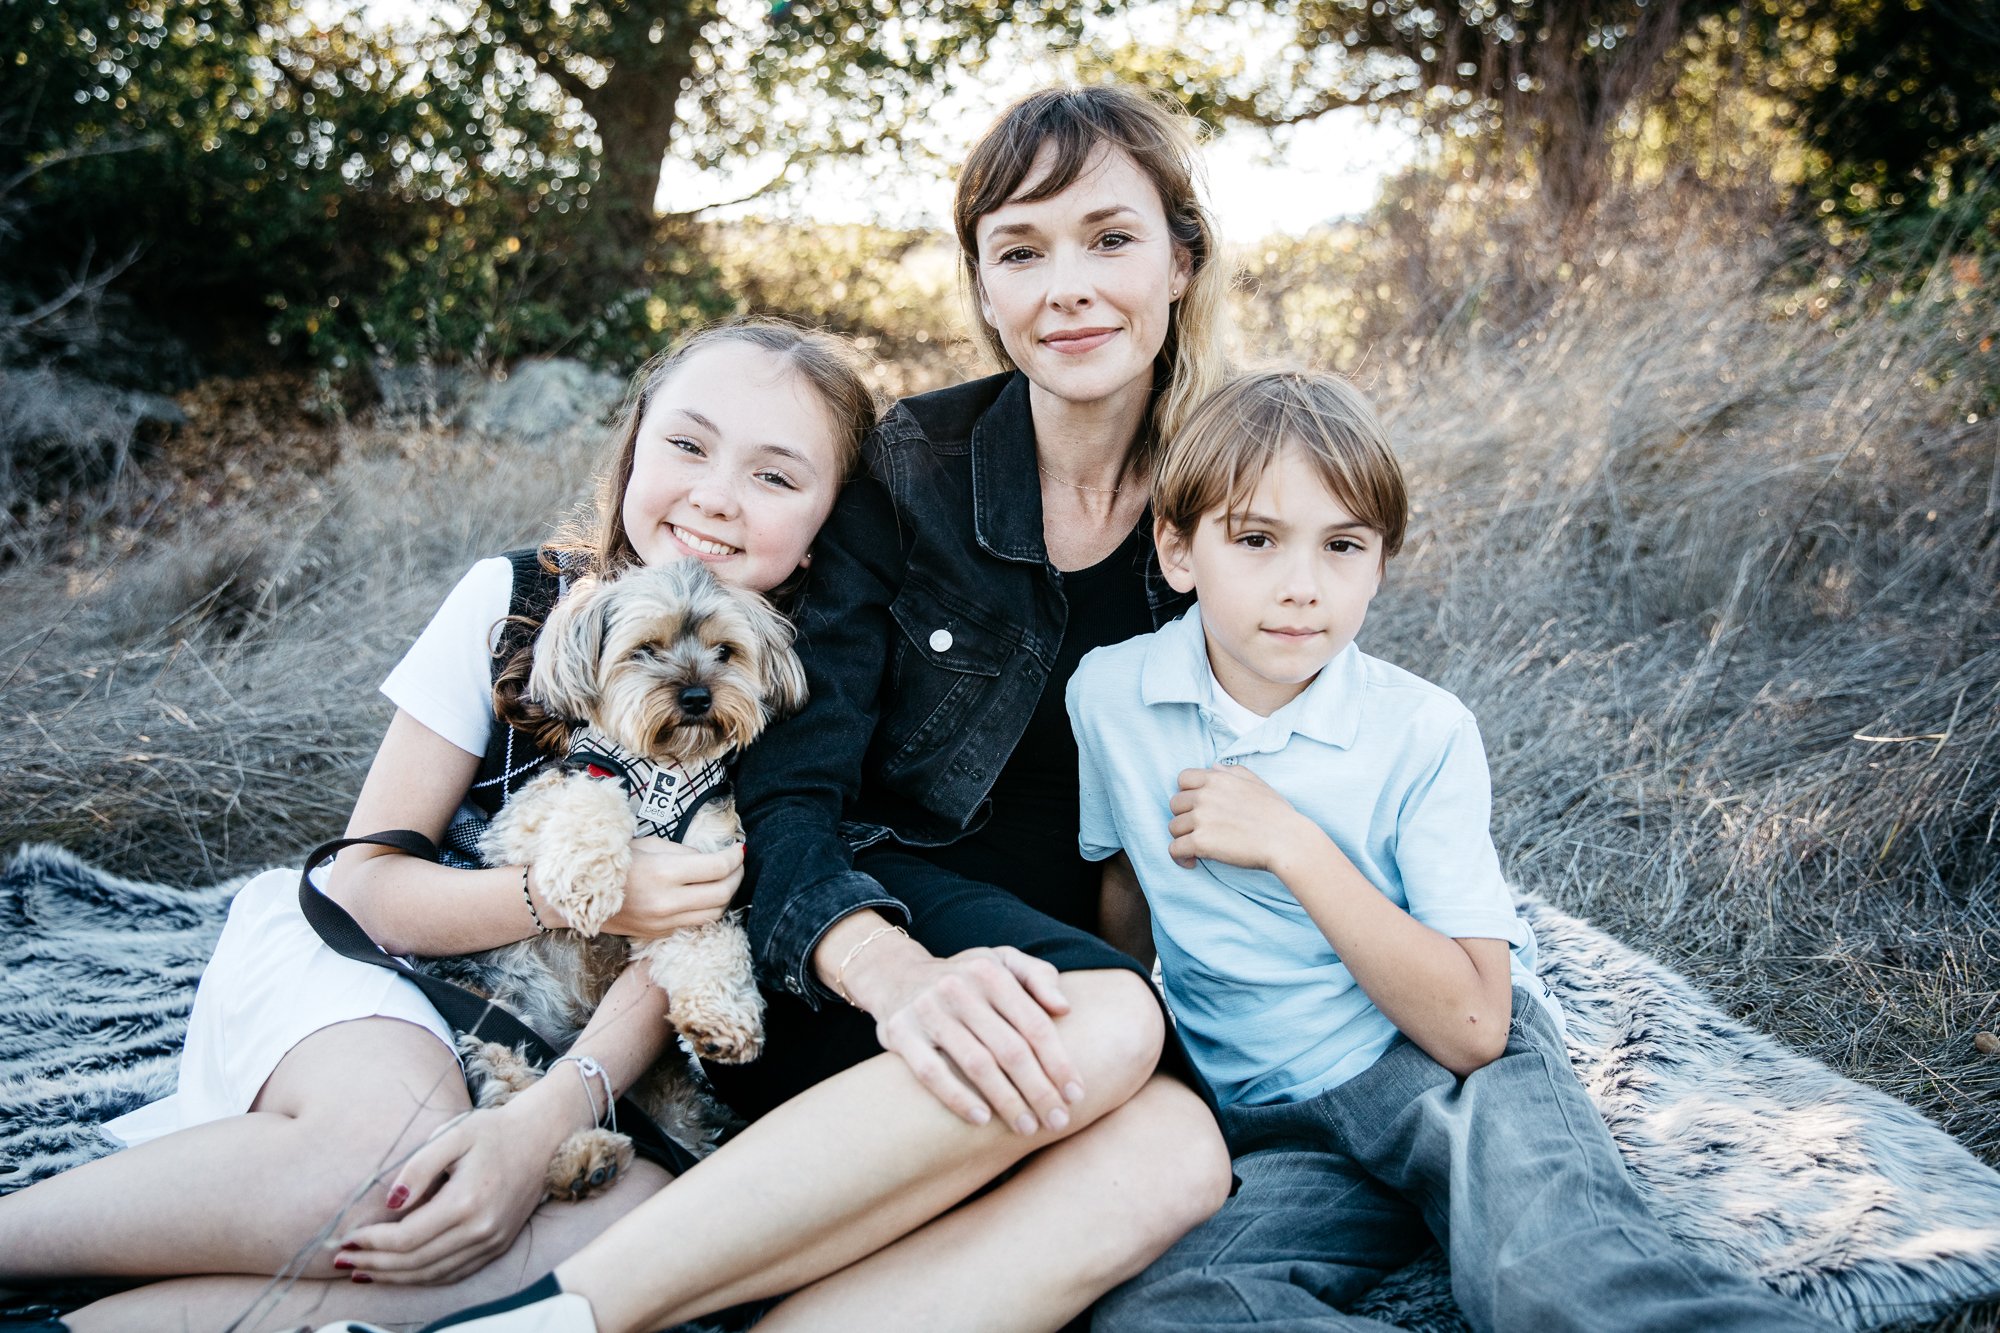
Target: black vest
{"points": [[511, 757]]}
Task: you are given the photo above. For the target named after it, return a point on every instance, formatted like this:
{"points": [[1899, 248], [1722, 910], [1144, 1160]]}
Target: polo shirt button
{"points": [[940, 640], [1229, 762]]}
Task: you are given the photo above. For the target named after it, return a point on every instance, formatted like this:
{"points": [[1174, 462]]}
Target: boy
{"points": [[1339, 950]]}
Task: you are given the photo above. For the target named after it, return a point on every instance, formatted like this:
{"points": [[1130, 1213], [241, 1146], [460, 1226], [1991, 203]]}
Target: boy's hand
{"points": [[1231, 815]]}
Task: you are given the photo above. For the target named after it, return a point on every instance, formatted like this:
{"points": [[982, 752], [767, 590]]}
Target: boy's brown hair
{"points": [[1213, 464]]}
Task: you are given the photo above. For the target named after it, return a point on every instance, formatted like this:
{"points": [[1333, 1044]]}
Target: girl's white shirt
{"points": [[445, 680]]}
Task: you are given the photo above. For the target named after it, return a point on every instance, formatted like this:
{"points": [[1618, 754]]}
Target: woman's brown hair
{"points": [[1073, 124], [598, 544]]}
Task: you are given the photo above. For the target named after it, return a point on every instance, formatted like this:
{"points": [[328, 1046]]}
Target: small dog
{"points": [[662, 673]]}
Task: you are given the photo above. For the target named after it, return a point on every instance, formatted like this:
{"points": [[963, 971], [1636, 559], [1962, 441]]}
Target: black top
{"points": [[1027, 843]]}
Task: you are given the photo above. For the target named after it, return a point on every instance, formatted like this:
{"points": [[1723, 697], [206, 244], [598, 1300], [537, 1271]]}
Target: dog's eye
{"points": [[644, 653], [723, 652]]}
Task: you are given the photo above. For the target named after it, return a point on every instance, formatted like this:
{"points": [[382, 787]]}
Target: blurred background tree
{"points": [[220, 184], [255, 171]]}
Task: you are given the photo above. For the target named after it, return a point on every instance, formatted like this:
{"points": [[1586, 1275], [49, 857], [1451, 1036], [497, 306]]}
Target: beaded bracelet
{"points": [[529, 898]]}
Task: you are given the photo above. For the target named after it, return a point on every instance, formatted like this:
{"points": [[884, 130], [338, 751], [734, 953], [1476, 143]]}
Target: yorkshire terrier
{"points": [[662, 673]]}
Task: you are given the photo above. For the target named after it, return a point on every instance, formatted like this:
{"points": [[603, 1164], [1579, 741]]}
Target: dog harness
{"points": [[664, 798]]}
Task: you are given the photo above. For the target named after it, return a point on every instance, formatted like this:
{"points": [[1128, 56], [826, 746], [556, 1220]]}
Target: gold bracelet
{"points": [[840, 973]]}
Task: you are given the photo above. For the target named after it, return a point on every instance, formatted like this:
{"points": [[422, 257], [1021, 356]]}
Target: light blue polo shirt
{"points": [[1388, 764]]}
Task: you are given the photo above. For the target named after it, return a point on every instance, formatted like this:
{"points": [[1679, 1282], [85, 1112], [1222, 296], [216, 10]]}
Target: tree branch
{"points": [[72, 154], [797, 158]]}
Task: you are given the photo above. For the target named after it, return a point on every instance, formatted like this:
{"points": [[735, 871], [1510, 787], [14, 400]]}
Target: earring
{"points": [[805, 559]]}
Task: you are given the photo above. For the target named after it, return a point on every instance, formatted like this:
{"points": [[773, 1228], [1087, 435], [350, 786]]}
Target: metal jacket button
{"points": [[940, 640]]}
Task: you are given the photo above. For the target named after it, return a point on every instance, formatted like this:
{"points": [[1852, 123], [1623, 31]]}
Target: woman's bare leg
{"points": [[247, 1194], [840, 1171], [1080, 1217], [556, 1231]]}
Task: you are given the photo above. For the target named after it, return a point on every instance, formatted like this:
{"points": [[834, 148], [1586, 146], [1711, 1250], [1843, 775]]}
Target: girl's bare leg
{"points": [[247, 1194], [205, 1304], [841, 1171], [1080, 1217]]}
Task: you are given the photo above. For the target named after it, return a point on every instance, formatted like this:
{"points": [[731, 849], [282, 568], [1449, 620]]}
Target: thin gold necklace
{"points": [[1077, 485]]}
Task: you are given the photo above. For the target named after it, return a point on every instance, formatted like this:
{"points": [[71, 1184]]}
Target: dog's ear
{"points": [[784, 677], [564, 678]]}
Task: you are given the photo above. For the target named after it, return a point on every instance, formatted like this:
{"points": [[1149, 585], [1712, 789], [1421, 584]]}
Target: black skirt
{"points": [[949, 913]]}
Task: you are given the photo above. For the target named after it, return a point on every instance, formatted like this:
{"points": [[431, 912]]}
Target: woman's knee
{"points": [[1115, 1031], [1183, 1173], [1146, 1174]]}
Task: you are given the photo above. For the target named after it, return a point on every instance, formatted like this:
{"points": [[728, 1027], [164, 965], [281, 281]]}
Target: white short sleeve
{"points": [[445, 681]]}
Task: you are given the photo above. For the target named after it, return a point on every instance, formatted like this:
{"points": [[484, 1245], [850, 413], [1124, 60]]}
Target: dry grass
{"points": [[1712, 553], [190, 697], [1720, 581]]}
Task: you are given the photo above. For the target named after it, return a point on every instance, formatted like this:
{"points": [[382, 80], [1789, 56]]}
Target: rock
{"points": [[423, 393], [541, 399], [61, 433], [154, 415], [1986, 1043]]}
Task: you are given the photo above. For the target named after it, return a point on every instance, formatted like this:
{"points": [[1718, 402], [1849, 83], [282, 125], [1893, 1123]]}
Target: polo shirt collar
{"points": [[1328, 710]]}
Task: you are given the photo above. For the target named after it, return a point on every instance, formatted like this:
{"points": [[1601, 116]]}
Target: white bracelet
{"points": [[588, 1068]]}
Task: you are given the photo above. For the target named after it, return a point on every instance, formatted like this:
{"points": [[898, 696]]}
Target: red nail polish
{"points": [[361, 1277], [343, 1264], [399, 1196], [352, 1245]]}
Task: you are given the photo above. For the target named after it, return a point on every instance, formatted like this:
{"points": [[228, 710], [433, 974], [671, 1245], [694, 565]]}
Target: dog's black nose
{"points": [[695, 700]]}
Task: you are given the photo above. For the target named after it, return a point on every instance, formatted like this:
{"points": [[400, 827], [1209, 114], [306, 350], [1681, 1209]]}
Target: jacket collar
{"points": [[1328, 710], [1006, 491], [1007, 494]]}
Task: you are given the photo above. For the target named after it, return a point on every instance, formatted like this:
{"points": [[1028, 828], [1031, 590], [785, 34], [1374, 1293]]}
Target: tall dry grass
{"points": [[188, 697], [1709, 546]]}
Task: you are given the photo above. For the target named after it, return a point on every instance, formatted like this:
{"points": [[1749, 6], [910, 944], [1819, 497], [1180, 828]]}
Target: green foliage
{"points": [[477, 186], [254, 161], [1904, 132]]}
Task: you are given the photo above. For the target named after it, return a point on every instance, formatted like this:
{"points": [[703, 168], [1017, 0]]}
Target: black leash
{"points": [[474, 1015]]}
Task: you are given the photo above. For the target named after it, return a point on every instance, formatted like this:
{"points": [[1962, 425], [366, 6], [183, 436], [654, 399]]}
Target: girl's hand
{"points": [[1233, 816], [466, 1194], [669, 888], [976, 1029]]}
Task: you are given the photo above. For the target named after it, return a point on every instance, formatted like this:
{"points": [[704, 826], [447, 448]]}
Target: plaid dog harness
{"points": [[664, 798]]}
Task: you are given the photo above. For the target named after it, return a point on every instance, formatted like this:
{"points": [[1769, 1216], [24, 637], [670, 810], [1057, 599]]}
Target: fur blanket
{"points": [[1759, 1157]]}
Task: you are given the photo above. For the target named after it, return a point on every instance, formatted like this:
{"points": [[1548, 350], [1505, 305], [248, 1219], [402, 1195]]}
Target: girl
{"points": [[306, 1074], [944, 1011]]}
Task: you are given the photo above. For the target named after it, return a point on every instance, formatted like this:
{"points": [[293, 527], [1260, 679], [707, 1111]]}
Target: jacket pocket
{"points": [[947, 655]]}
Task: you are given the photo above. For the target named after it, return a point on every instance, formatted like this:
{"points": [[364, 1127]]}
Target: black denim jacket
{"points": [[928, 630]]}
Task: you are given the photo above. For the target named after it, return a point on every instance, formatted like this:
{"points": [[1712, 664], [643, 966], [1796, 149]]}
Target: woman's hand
{"points": [[975, 1028], [669, 888], [466, 1194]]}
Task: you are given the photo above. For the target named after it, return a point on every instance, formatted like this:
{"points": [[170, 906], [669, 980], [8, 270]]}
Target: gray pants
{"points": [[1510, 1169]]}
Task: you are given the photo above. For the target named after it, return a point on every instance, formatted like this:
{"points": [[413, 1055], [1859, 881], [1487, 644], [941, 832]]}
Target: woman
{"points": [[945, 1011]]}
